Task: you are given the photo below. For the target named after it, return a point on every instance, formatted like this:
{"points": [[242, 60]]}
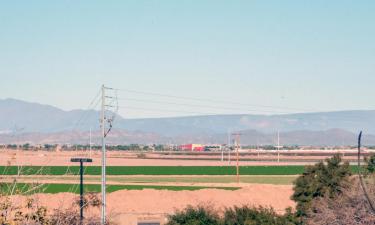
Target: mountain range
{"points": [[33, 122]]}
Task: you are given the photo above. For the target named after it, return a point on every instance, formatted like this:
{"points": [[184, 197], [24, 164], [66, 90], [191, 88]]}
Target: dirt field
{"points": [[118, 158], [130, 207]]}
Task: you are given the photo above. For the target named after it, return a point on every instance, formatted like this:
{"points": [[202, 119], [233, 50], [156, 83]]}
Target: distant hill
{"points": [[352, 121], [304, 128], [334, 137], [34, 117]]}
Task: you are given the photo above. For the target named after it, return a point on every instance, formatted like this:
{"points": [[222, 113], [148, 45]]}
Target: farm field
{"points": [[156, 185], [124, 158], [152, 170], [214, 181], [155, 170], [53, 188]]}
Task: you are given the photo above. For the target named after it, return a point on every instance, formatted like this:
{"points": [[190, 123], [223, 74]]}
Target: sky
{"points": [[259, 57]]}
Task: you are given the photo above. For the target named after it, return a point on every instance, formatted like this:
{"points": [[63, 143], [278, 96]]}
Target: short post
{"points": [[81, 161]]}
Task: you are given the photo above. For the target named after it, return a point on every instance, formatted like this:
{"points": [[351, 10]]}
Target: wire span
{"points": [[213, 100], [201, 106]]}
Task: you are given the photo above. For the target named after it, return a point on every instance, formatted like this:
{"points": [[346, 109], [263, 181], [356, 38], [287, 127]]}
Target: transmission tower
{"points": [[106, 119]]}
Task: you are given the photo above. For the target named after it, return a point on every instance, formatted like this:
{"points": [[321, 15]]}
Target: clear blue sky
{"points": [[313, 55]]}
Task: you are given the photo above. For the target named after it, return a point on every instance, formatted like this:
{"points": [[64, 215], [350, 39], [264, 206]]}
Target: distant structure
{"points": [[278, 146], [191, 147]]}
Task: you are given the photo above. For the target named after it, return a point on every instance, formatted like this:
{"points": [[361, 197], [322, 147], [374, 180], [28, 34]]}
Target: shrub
{"points": [[254, 216], [349, 207], [370, 167], [194, 216], [141, 155], [31, 213], [320, 180], [245, 215]]}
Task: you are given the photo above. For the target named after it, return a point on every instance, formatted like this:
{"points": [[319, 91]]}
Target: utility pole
{"points": [[237, 146], [104, 132], [229, 144], [90, 145], [103, 122], [222, 154], [278, 146]]}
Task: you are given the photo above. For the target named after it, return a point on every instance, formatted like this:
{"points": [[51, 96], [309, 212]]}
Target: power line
{"points": [[154, 94], [166, 110], [212, 100], [84, 115], [199, 106]]}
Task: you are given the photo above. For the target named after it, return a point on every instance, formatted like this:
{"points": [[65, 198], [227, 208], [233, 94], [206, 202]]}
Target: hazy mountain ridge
{"points": [[334, 137], [35, 117], [41, 121]]}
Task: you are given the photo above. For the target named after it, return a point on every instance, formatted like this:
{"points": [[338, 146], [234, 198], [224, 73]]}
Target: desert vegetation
{"points": [[326, 193], [28, 211]]}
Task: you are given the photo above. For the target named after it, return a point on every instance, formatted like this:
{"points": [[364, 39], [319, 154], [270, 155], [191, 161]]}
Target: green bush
{"points": [[370, 167], [257, 216], [320, 180], [194, 216], [245, 215]]}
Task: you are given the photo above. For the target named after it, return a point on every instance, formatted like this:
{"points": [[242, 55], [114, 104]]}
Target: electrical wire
{"points": [[200, 106], [166, 110], [84, 115], [211, 100]]}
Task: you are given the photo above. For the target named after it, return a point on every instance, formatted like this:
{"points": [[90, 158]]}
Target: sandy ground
{"points": [[130, 207], [116, 158]]}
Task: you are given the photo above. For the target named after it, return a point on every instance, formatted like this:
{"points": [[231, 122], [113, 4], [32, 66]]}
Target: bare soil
{"points": [[132, 206], [120, 158]]}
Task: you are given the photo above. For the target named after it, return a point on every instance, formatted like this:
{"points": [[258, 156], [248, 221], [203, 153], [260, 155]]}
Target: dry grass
{"points": [[349, 208]]}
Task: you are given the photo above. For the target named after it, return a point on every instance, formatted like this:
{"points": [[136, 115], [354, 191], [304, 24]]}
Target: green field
{"points": [[149, 179], [23, 188], [155, 170], [250, 179]]}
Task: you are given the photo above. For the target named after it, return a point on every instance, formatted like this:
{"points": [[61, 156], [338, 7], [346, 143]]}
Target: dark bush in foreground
{"points": [[370, 167], [195, 216], [320, 180], [245, 215], [254, 216]]}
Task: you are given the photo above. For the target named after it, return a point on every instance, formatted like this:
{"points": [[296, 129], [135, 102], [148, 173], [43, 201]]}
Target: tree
{"points": [[26, 146], [320, 180]]}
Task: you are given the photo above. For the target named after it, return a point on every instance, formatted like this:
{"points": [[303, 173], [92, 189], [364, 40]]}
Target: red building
{"points": [[191, 147]]}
